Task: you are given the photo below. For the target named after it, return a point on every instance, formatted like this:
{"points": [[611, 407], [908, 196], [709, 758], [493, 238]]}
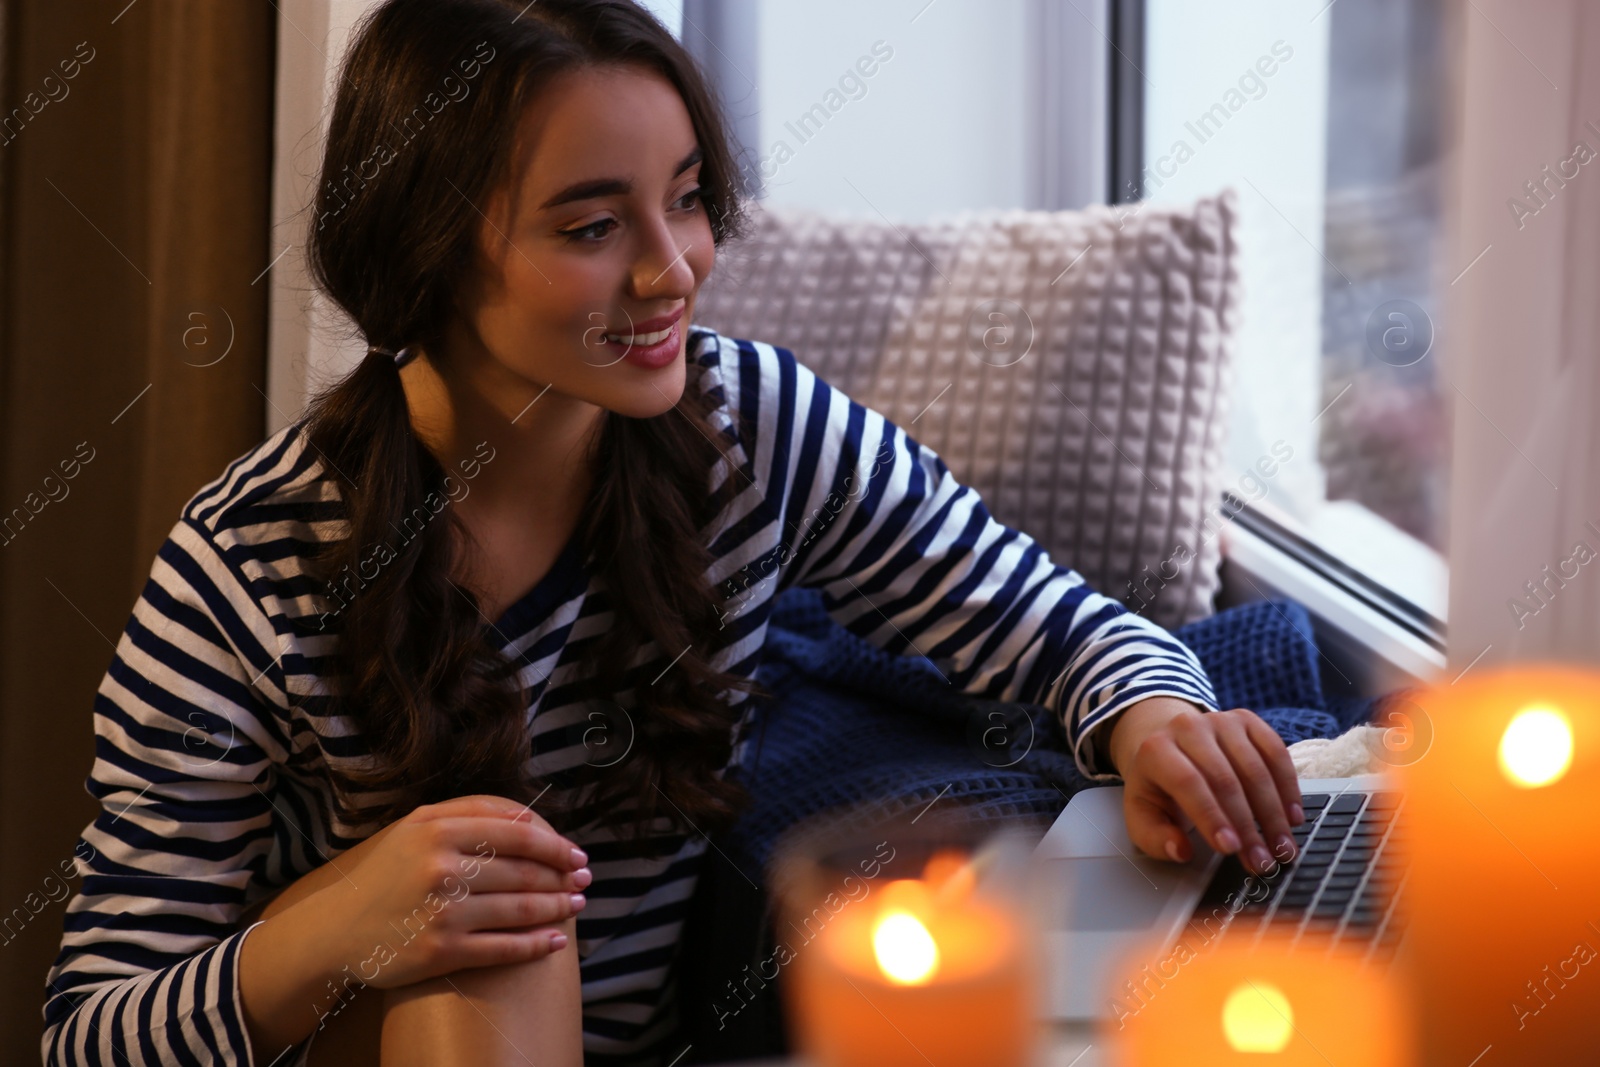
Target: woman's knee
{"points": [[510, 1013], [349, 1036]]}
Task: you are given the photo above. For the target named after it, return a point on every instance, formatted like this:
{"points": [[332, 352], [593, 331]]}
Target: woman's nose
{"points": [[663, 267]]}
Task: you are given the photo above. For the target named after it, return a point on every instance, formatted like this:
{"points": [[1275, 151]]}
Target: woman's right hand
{"points": [[470, 882]]}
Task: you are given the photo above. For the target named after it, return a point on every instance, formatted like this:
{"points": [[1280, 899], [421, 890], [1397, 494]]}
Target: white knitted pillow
{"points": [[1071, 366]]}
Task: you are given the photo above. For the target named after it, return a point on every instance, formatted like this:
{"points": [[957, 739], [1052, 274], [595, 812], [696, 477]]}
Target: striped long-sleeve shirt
{"points": [[214, 732]]}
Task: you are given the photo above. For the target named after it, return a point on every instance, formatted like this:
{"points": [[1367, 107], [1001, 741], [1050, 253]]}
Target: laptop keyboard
{"points": [[1345, 879]]}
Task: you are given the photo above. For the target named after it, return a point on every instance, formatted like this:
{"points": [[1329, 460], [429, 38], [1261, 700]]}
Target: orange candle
{"points": [[920, 970], [1504, 893], [1275, 1003]]}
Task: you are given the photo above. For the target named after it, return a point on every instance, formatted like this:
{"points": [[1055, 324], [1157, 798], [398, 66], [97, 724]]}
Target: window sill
{"points": [[1375, 594]]}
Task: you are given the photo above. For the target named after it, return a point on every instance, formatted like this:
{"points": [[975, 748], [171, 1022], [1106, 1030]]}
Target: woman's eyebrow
{"points": [[588, 190]]}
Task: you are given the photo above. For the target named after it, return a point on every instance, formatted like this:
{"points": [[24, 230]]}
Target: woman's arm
{"points": [[912, 560], [280, 972], [154, 967], [185, 748], [319, 878], [454, 1011]]}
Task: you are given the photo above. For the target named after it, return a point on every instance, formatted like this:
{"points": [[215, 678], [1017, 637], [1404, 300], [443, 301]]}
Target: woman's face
{"points": [[592, 253]]}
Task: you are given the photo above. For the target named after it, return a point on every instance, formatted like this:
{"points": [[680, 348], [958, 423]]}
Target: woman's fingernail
{"points": [[1260, 858], [578, 902], [579, 858], [558, 942], [1284, 849], [582, 877], [1172, 851], [1227, 840], [1297, 814]]}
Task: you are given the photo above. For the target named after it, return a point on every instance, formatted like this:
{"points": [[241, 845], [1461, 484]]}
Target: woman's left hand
{"points": [[1224, 770]]}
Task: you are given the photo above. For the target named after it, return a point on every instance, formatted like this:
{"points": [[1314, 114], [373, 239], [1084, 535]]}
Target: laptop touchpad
{"points": [[1081, 883]]}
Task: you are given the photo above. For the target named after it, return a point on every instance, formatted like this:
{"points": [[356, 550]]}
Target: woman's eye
{"points": [[597, 230], [582, 233]]}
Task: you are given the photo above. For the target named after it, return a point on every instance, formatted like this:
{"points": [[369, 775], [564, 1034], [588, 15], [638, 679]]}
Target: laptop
{"points": [[1111, 900]]}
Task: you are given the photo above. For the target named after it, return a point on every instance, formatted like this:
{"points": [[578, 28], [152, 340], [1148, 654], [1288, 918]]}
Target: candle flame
{"points": [[1536, 748], [907, 954], [1257, 1018]]}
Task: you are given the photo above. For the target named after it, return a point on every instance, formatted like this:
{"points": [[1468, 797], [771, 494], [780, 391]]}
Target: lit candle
{"points": [[919, 970], [1276, 1003], [1504, 894]]}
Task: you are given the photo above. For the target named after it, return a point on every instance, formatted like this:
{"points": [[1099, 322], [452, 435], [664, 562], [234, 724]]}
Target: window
{"points": [[1327, 119]]}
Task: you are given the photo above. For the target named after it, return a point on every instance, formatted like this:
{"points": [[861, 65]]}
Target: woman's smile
{"points": [[651, 344]]}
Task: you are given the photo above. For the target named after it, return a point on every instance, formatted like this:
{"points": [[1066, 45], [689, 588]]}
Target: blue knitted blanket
{"points": [[853, 725]]}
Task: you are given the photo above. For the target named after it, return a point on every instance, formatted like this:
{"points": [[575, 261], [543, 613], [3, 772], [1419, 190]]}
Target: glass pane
{"points": [[1382, 443], [1326, 119], [894, 109]]}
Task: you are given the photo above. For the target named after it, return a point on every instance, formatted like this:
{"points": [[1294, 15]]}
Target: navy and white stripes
{"points": [[214, 734]]}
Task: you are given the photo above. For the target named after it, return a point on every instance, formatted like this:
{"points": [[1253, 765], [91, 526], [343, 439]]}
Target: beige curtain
{"points": [[1525, 315], [135, 170]]}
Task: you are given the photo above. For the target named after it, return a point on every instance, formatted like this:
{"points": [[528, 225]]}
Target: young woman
{"points": [[352, 749]]}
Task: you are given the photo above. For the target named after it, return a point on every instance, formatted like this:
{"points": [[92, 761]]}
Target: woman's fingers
{"points": [[488, 806], [1154, 823], [1225, 770], [1169, 769], [492, 949], [1265, 801], [1279, 764], [490, 838], [1200, 744], [515, 911], [476, 804], [1246, 776], [507, 874]]}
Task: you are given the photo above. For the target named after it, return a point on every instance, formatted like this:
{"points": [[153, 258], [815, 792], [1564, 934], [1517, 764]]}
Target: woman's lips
{"points": [[651, 357]]}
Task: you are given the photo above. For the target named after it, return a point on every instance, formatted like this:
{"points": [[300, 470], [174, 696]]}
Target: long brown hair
{"points": [[423, 126]]}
